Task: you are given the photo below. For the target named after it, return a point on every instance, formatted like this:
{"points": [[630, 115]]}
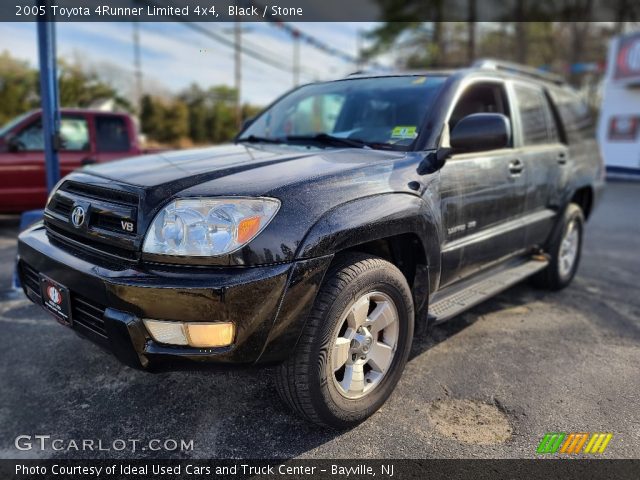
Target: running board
{"points": [[471, 293]]}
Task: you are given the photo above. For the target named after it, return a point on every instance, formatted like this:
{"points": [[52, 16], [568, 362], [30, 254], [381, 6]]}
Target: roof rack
{"points": [[511, 67]]}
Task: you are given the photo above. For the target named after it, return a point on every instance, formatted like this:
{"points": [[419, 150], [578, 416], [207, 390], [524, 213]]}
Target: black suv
{"points": [[343, 217]]}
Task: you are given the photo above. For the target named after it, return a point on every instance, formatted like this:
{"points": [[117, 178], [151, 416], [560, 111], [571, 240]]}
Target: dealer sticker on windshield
{"points": [[404, 132]]}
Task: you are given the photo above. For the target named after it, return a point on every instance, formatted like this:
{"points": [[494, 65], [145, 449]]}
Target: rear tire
{"points": [[354, 346], [564, 249]]}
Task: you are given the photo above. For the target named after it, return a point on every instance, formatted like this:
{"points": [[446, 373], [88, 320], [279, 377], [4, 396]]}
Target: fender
{"points": [[373, 218], [345, 226]]}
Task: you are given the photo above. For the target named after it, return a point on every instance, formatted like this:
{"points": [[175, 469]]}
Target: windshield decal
{"points": [[404, 131]]}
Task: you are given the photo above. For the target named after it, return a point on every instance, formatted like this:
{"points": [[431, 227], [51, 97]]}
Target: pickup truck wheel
{"points": [[354, 346], [564, 249]]}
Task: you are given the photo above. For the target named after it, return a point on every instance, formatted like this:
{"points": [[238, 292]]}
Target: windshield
{"points": [[382, 112], [12, 123]]}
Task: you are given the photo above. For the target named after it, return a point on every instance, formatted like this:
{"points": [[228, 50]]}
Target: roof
{"points": [[499, 68]]}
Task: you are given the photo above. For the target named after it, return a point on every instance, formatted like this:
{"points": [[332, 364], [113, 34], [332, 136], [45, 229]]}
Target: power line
{"points": [[247, 51]]}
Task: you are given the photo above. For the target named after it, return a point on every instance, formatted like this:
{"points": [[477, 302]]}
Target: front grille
{"points": [[101, 193], [61, 205], [73, 241], [110, 225], [88, 315], [85, 313]]}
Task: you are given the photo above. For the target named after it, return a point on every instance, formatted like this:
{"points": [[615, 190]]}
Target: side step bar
{"points": [[475, 291]]}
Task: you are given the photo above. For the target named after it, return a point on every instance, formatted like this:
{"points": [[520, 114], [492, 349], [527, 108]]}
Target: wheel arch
{"points": [[400, 228], [584, 197]]}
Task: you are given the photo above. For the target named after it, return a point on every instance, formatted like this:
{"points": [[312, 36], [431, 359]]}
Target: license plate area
{"points": [[56, 300]]}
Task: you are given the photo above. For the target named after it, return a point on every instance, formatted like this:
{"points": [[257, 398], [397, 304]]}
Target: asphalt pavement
{"points": [[488, 384]]}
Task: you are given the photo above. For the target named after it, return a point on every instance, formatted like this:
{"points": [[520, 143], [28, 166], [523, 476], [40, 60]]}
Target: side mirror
{"points": [[480, 132], [434, 161], [14, 145]]}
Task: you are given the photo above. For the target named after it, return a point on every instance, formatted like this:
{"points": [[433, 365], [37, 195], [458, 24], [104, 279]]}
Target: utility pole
{"points": [[238, 69], [359, 50], [296, 58], [137, 64]]}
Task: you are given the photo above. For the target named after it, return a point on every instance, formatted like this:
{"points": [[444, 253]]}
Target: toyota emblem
{"points": [[78, 215]]}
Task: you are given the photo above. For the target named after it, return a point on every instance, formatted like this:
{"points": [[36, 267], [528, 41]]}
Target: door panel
{"points": [[546, 166], [482, 199], [545, 158], [22, 173]]}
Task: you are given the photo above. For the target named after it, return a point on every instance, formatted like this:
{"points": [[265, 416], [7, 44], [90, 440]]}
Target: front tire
{"points": [[565, 248], [354, 346]]}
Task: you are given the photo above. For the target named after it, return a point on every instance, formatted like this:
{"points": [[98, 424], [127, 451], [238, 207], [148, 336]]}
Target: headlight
{"points": [[204, 227]]}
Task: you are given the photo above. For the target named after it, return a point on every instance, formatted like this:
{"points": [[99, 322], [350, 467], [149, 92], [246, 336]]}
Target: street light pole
{"points": [[50, 101], [49, 98]]}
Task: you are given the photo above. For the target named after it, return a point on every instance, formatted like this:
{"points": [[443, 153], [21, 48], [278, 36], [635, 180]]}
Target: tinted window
{"points": [[554, 131], [111, 134], [574, 113], [533, 115], [74, 133]]}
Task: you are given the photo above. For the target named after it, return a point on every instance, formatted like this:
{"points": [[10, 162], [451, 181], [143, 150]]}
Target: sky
{"points": [[174, 56]]}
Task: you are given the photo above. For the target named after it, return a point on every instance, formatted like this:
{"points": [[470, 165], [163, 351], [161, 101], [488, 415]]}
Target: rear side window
{"points": [[111, 134], [575, 115], [535, 116]]}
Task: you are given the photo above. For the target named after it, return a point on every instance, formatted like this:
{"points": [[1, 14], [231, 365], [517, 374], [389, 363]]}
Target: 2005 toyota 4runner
{"points": [[342, 218]]}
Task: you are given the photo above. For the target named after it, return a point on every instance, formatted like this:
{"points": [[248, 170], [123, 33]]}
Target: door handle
{"points": [[562, 158], [516, 166], [88, 161]]}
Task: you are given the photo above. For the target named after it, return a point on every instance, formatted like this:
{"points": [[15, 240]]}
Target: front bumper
{"points": [[267, 304]]}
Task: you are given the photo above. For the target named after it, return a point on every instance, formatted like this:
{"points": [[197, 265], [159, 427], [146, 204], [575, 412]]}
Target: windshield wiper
{"points": [[256, 139], [326, 139], [321, 138]]}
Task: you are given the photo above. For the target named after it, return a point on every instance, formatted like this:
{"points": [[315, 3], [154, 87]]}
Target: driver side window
{"points": [[480, 98], [74, 134], [30, 138]]}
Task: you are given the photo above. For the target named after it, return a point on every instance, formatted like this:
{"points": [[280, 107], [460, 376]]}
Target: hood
{"points": [[238, 169]]}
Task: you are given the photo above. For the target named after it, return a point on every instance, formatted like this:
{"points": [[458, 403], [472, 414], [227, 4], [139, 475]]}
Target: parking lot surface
{"points": [[488, 384]]}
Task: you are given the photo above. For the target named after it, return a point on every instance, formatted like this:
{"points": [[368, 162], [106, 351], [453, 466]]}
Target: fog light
{"points": [[195, 334], [167, 332], [210, 334]]}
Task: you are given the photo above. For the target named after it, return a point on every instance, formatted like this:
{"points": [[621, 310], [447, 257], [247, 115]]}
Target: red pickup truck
{"points": [[87, 137]]}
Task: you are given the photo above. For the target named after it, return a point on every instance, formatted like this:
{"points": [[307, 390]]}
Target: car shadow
{"points": [[518, 295]]}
